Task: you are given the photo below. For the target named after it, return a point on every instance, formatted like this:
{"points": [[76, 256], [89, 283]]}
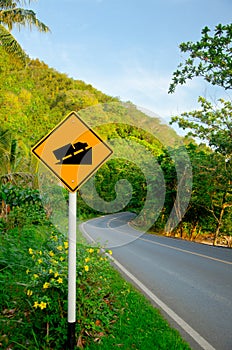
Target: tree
{"points": [[211, 197], [210, 58], [12, 159], [11, 15], [210, 123]]}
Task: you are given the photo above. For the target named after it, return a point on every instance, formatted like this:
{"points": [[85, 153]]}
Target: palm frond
{"points": [[10, 44], [21, 17], [16, 178], [4, 4]]}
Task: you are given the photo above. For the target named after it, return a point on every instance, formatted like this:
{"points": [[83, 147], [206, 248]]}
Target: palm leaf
{"points": [[5, 4], [21, 17], [10, 44]]}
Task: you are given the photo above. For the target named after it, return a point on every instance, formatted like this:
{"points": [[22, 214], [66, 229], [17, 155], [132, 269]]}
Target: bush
{"points": [[23, 205], [2, 225], [45, 294], [16, 196], [34, 299], [26, 214]]}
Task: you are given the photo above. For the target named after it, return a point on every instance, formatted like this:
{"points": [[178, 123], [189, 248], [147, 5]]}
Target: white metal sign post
{"points": [[72, 270]]}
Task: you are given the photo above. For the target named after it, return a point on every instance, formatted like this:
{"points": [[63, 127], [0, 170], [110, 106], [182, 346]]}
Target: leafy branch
{"points": [[210, 58]]}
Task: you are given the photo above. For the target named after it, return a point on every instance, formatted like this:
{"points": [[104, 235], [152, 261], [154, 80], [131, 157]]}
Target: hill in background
{"points": [[35, 99]]}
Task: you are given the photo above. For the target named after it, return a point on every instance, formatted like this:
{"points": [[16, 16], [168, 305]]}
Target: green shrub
{"points": [[46, 293], [26, 214], [2, 225], [16, 196], [35, 286]]}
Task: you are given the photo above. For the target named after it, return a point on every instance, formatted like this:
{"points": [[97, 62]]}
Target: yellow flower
{"points": [[42, 305], [110, 252], [91, 250], [50, 271], [59, 247], [30, 251], [40, 261], [54, 262], [56, 274], [35, 275], [86, 267], [46, 285], [36, 304], [40, 253], [61, 258], [55, 238], [29, 292], [66, 245], [27, 272], [60, 280], [51, 253], [87, 260]]}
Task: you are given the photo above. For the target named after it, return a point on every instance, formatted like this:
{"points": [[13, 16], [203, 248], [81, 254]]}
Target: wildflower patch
{"points": [[48, 289]]}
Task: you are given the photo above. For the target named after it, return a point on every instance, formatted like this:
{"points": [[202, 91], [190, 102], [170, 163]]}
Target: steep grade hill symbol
{"points": [[78, 153]]}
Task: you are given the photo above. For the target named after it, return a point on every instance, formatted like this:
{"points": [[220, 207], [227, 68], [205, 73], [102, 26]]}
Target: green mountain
{"points": [[35, 98]]}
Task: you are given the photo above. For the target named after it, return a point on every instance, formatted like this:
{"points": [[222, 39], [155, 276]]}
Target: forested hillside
{"points": [[33, 99]]}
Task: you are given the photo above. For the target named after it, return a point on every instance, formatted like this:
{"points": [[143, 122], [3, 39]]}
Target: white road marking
{"points": [[188, 251], [184, 325], [166, 245]]}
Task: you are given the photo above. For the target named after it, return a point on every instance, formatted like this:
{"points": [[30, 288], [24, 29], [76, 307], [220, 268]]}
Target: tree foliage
{"points": [[210, 123], [213, 54], [210, 58], [35, 98], [209, 209]]}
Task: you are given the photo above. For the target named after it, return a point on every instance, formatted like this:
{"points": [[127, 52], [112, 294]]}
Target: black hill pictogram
{"points": [[78, 153]]}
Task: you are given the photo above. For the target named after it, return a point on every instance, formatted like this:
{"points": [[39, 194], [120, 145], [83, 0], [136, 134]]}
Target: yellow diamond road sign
{"points": [[72, 151]]}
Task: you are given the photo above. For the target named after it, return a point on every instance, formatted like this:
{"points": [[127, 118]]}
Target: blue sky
{"points": [[126, 48]]}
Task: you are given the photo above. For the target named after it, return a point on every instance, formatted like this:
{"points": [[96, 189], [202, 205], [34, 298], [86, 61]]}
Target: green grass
{"points": [[111, 313], [138, 324]]}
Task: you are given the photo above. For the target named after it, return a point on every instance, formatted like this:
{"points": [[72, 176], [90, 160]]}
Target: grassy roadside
{"points": [[139, 325], [111, 313]]}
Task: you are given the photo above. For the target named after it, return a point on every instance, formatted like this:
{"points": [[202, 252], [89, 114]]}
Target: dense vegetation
{"points": [[33, 256], [34, 287], [210, 58], [35, 98]]}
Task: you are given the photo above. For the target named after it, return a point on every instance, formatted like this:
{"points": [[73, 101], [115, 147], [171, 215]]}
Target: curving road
{"points": [[191, 283]]}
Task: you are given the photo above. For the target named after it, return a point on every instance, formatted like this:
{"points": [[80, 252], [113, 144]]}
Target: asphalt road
{"points": [[191, 283]]}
